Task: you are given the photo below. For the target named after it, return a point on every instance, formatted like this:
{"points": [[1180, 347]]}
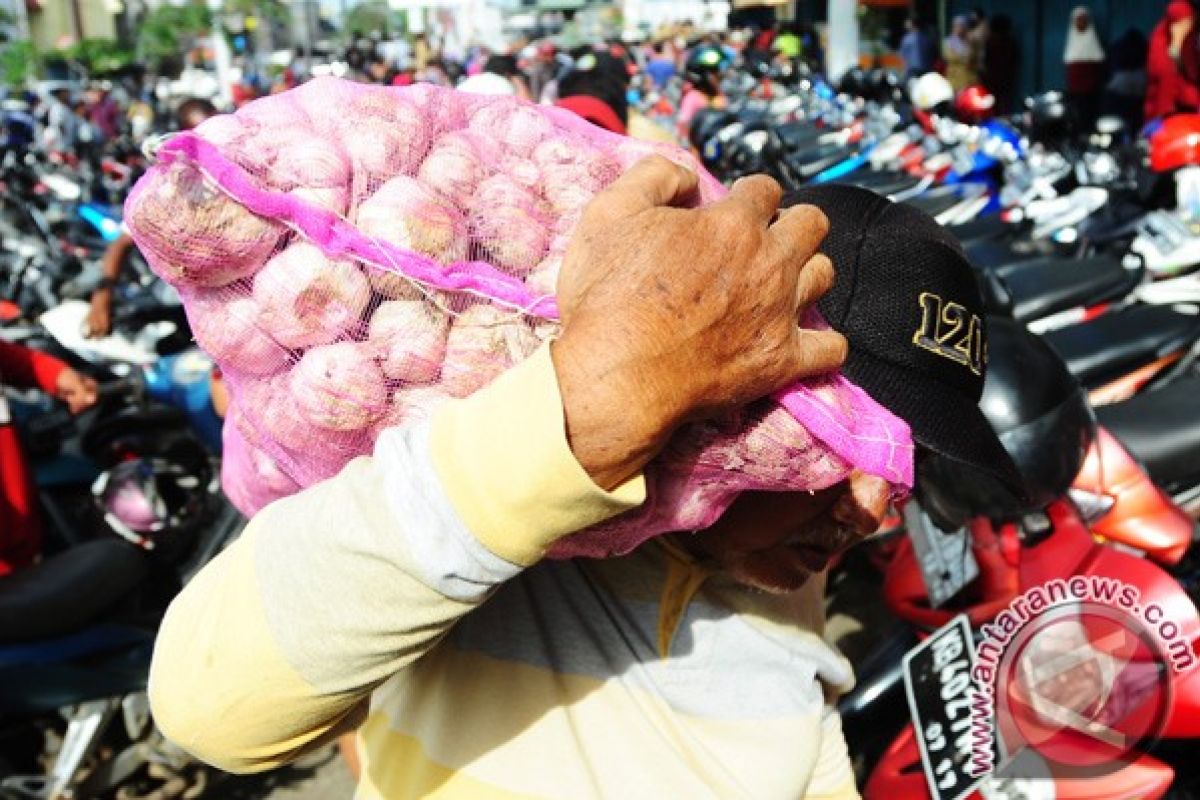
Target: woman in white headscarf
{"points": [[1084, 60]]}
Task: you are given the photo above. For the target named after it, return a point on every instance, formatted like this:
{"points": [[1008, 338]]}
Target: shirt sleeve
{"points": [[331, 591], [21, 366]]}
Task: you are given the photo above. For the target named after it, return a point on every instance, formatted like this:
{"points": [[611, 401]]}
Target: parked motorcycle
{"points": [[1044, 421]]}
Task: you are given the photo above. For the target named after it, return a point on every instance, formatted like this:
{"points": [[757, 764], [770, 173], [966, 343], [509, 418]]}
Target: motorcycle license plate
{"points": [[946, 561], [937, 680]]}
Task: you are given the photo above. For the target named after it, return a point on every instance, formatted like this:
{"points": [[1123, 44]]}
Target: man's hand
{"points": [[673, 314], [99, 319], [77, 391]]}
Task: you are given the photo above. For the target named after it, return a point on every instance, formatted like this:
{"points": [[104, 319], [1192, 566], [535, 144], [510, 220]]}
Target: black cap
{"points": [[907, 301]]}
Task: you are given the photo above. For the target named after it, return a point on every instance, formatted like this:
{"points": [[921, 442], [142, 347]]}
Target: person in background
{"points": [[141, 117], [380, 69], [476, 59], [105, 114], [594, 88], [788, 43], [20, 528], [1167, 90], [703, 74], [764, 40], [20, 124], [62, 124], [1084, 60], [99, 321], [978, 38], [87, 139], [957, 53], [543, 67], [660, 67], [356, 60], [500, 76], [421, 52], [301, 65], [917, 48], [1126, 88], [812, 47], [435, 72], [1000, 61], [284, 81], [755, 58]]}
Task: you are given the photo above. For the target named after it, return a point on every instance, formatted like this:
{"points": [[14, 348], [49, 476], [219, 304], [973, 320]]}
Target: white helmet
{"points": [[930, 90]]}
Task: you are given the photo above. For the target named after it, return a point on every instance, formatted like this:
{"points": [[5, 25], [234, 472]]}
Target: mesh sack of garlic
{"points": [[354, 256]]}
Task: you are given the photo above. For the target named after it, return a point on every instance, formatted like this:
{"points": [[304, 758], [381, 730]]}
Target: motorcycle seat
{"points": [[1000, 254], [884, 182], [1117, 219], [68, 590], [1043, 286], [1109, 346], [808, 163], [990, 254], [103, 441], [1161, 428], [107, 660], [796, 136], [937, 200], [984, 229]]}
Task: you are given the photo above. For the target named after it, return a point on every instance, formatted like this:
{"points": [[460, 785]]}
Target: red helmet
{"points": [[974, 104], [1176, 143]]}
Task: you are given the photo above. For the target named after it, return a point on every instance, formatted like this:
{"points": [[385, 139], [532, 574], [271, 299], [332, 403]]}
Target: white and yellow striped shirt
{"points": [[414, 578]]}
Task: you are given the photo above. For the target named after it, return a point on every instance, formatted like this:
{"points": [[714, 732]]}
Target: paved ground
{"points": [[321, 776]]}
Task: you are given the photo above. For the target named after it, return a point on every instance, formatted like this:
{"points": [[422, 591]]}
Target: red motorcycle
{"points": [[1045, 423], [1010, 563]]}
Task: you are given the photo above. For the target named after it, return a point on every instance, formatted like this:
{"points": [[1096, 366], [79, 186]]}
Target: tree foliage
{"points": [[273, 10], [17, 62], [374, 16], [164, 32], [97, 56]]}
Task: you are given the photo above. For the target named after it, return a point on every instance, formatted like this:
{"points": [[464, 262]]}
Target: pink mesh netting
{"points": [[353, 256]]}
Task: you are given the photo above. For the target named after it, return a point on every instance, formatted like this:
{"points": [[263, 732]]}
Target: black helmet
{"points": [[1049, 117], [705, 125], [882, 85], [156, 502], [853, 82], [703, 61], [789, 72], [157, 476], [1042, 417]]}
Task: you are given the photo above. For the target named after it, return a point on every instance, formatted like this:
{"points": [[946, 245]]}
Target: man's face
{"points": [[776, 541]]}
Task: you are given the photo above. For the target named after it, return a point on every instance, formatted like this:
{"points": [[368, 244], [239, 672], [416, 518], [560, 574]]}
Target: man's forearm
{"points": [[612, 431]]}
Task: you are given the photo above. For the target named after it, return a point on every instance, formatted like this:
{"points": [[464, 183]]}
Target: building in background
{"points": [[643, 17], [55, 24], [1041, 30], [1040, 27]]}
